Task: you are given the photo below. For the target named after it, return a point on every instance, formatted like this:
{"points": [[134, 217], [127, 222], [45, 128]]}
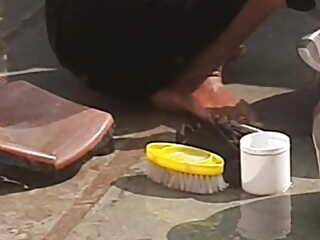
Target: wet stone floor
{"points": [[110, 199], [285, 217]]}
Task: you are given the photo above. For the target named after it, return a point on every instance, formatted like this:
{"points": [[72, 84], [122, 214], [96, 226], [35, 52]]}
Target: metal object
{"points": [[309, 51]]}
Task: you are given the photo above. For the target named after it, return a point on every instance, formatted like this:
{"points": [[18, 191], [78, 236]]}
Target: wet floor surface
{"points": [[108, 199], [285, 217]]}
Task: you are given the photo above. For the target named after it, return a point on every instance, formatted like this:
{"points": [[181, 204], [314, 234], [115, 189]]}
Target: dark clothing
{"points": [[134, 47], [301, 5]]}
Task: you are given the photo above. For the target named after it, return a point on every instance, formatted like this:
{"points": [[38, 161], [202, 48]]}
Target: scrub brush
{"points": [[185, 168]]}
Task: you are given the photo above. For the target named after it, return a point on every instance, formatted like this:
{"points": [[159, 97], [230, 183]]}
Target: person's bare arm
{"points": [[251, 16]]}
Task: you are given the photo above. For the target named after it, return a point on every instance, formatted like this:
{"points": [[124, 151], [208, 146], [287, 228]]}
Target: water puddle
{"points": [[285, 217]]}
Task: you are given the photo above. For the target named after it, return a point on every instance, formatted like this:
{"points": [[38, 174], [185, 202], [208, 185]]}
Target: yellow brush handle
{"points": [[193, 160]]}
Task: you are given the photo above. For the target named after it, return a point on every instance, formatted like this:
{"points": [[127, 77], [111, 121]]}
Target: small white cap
{"points": [[265, 143]]}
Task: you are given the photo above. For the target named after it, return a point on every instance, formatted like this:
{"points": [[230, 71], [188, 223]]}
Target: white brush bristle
{"points": [[185, 182]]}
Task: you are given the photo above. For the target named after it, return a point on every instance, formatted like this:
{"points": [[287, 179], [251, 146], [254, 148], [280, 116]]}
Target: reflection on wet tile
{"points": [[285, 217], [14, 13], [265, 221]]}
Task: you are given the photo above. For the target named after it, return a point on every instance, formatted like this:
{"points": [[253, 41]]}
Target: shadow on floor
{"points": [[15, 179], [143, 186]]}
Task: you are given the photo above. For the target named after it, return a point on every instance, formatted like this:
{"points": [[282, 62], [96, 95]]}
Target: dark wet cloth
{"points": [[134, 47]]}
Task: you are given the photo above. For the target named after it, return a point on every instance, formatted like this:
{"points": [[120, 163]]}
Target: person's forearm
{"points": [[242, 26], [251, 16]]}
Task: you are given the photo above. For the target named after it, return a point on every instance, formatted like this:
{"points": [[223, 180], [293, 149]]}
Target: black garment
{"points": [[135, 47], [301, 5]]}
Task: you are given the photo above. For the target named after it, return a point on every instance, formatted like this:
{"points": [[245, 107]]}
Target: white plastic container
{"points": [[265, 163]]}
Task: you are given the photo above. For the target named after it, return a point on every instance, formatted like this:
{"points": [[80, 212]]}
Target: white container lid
{"points": [[265, 143]]}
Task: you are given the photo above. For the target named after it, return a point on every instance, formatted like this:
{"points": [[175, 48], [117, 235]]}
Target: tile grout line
{"points": [[92, 194]]}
